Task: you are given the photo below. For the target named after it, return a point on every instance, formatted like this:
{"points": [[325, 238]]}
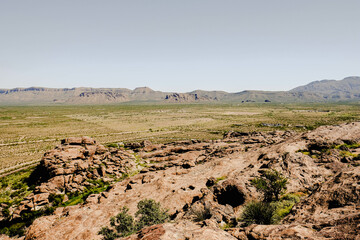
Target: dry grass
{"points": [[27, 132]]}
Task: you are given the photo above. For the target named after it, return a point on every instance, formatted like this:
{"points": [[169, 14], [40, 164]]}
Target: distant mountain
{"points": [[332, 90], [347, 85], [40, 95], [347, 89]]}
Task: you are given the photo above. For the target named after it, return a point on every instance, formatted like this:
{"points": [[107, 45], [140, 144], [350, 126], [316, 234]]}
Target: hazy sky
{"points": [[181, 45]]}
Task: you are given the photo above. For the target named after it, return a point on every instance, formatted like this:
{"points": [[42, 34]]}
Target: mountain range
{"points": [[347, 89]]}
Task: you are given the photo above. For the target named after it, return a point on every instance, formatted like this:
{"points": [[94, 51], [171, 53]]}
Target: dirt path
{"points": [[7, 171]]}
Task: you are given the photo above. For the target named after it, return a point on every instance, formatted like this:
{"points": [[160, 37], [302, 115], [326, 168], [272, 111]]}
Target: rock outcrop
{"points": [[71, 167], [187, 97], [205, 184]]}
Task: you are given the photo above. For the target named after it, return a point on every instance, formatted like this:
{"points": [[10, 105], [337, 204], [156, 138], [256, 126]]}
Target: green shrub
{"points": [[5, 212], [150, 213], [271, 184], [269, 213], [17, 229], [258, 213], [108, 234], [123, 224], [56, 199], [273, 208]]}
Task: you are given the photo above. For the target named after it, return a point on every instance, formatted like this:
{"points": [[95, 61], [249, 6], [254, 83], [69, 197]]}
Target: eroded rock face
{"points": [[210, 178], [334, 208]]}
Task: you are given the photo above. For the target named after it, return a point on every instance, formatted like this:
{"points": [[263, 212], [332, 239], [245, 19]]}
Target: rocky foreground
{"points": [[191, 176]]}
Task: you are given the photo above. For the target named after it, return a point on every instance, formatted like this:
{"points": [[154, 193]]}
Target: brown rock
{"points": [[100, 149], [147, 178], [72, 141], [181, 230], [92, 199], [88, 141]]}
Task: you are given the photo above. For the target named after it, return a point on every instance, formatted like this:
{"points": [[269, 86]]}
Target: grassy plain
{"points": [[27, 132]]}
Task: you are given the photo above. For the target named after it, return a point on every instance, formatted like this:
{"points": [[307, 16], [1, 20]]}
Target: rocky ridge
{"points": [[191, 177], [188, 97]]}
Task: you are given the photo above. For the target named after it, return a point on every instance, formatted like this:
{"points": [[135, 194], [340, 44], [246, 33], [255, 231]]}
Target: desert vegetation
{"points": [[27, 132], [272, 207], [123, 224]]}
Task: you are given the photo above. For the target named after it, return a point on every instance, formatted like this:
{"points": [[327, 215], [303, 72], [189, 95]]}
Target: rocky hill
{"points": [[322, 166], [347, 89]]}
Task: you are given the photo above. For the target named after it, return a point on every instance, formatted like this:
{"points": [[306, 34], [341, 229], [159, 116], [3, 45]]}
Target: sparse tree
{"points": [[271, 184]]}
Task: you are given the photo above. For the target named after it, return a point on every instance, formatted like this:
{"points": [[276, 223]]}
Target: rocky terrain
{"points": [[191, 177], [318, 91], [187, 97]]}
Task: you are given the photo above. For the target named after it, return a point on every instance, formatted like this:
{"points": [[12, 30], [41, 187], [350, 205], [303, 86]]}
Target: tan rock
{"points": [[72, 141], [88, 141]]}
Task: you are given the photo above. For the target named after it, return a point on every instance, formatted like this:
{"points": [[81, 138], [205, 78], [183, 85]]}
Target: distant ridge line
{"points": [[347, 89]]}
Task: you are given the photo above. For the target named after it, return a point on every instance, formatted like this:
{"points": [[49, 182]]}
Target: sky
{"points": [[183, 45]]}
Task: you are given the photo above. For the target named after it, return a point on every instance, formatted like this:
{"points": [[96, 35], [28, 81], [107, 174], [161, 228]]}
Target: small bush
{"points": [[258, 213], [108, 234], [150, 213], [269, 213], [56, 199], [199, 215], [123, 224], [273, 208]]}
